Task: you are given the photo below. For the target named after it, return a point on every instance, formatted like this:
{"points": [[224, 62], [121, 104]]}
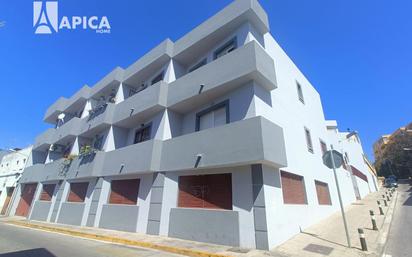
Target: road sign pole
{"points": [[340, 200]]}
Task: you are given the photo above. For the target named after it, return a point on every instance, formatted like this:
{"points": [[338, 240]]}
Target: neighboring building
{"points": [[217, 137], [379, 146], [390, 154], [12, 165]]}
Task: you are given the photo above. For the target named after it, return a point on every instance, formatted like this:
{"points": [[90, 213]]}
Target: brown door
{"points": [[26, 199], [10, 191]]}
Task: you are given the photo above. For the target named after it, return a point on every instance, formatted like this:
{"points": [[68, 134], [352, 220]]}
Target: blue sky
{"points": [[356, 53]]}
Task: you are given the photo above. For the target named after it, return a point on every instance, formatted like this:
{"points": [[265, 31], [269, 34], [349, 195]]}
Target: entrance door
{"points": [[10, 191], [26, 199]]}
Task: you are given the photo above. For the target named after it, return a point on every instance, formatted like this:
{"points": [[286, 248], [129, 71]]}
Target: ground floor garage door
{"points": [[7, 201], [26, 199]]}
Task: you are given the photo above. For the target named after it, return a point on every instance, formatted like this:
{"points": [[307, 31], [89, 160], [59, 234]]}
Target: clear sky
{"points": [[357, 54]]}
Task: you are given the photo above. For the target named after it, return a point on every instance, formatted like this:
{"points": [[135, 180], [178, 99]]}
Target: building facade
{"points": [[217, 137], [12, 164]]}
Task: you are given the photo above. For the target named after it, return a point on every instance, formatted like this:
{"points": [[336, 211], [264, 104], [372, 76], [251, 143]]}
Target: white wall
{"points": [[10, 165]]}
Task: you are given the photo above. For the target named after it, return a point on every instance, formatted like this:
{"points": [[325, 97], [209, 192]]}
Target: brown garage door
{"points": [[77, 192], [293, 188], [322, 190], [47, 192], [26, 199], [10, 191], [206, 191], [124, 191]]}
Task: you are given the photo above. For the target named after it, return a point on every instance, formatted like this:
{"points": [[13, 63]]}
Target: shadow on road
{"points": [[38, 252], [408, 201]]}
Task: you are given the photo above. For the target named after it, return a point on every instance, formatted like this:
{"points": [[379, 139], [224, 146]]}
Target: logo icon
{"points": [[45, 17]]}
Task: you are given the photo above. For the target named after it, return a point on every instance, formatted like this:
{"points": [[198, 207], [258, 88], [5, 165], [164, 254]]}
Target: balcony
{"points": [[137, 158], [247, 63], [43, 172], [85, 166], [254, 140], [44, 140], [96, 122], [111, 80], [68, 130], [55, 109], [141, 106]]}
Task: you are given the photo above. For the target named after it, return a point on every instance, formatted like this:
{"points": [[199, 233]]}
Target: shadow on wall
{"points": [[38, 252]]}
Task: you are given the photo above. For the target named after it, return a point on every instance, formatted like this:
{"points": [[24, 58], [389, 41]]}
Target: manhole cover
{"points": [[324, 250]]}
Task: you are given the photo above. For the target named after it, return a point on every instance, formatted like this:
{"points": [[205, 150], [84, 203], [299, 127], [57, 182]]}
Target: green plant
{"points": [[86, 150]]}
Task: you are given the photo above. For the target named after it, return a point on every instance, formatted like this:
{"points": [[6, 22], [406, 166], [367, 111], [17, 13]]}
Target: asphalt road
{"points": [[400, 236], [24, 242]]}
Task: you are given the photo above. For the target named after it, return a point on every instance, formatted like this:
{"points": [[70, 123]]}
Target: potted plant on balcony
{"points": [[67, 161]]}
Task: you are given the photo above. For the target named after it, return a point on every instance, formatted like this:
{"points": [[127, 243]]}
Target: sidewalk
{"points": [[326, 238]]}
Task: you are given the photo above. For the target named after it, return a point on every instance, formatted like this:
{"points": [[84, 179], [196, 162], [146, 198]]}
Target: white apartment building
{"points": [[217, 137], [12, 165]]}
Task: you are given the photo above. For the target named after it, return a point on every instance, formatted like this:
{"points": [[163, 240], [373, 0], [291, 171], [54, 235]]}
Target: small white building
{"points": [[11, 167]]}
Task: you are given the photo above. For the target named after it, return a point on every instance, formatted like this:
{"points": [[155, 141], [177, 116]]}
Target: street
{"points": [[400, 235], [23, 242]]}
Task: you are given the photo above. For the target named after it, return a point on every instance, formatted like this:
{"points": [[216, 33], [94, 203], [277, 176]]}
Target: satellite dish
{"points": [[61, 116]]}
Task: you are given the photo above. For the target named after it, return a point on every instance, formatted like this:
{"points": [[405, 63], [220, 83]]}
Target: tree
{"points": [[395, 159]]}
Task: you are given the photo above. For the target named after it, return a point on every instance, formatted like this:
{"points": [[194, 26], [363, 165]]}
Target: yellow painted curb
{"points": [[165, 248]]}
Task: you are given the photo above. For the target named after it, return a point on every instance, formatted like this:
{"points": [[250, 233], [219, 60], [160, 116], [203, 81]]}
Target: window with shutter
{"points": [[124, 191], [322, 191], [143, 134], [293, 188], [77, 192], [308, 140], [323, 147], [300, 92], [214, 116], [206, 191], [47, 192], [225, 49]]}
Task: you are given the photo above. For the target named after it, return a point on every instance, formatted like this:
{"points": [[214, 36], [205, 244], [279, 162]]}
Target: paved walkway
{"points": [[326, 238]]}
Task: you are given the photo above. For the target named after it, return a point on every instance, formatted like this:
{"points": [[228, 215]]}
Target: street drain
{"points": [[324, 250]]}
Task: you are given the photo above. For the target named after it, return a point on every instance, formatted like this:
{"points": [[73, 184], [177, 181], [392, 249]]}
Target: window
{"points": [[300, 92], [47, 192], [214, 116], [98, 142], [77, 192], [322, 191], [198, 65], [323, 147], [293, 188], [143, 134], [157, 78], [124, 191], [308, 140], [206, 191], [225, 49]]}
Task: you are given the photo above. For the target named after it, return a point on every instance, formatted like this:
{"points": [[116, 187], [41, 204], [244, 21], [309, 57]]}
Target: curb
{"points": [[382, 246], [165, 248]]}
